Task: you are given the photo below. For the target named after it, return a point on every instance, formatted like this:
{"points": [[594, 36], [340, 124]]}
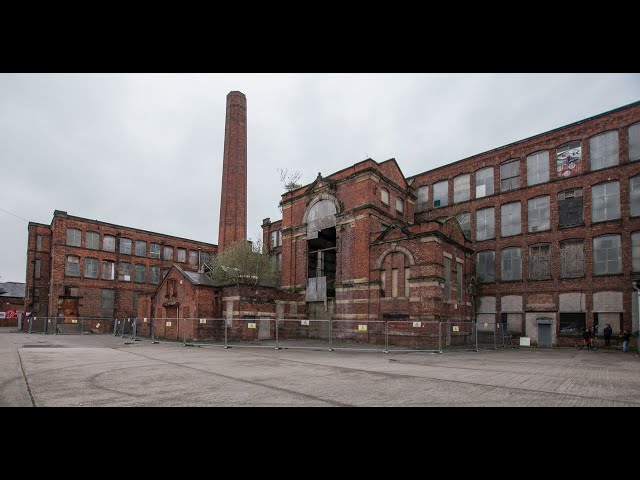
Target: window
{"points": [[569, 159], [399, 205], [447, 279], [384, 196], [140, 273], [459, 282], [92, 240], [38, 243], [37, 269], [73, 266], [182, 255], [109, 243], [108, 270], [423, 198], [204, 257], [510, 176], [394, 282], [538, 168], [273, 242], [511, 264], [634, 195], [154, 250], [606, 255], [154, 275], [167, 253], [570, 208], [605, 202], [440, 194], [74, 237], [383, 283], [539, 214], [91, 268], [193, 258], [461, 188], [125, 246], [634, 142], [485, 223], [124, 272], [107, 298], [135, 302], [635, 251], [572, 323], [510, 219], [36, 292], [540, 261], [572, 259], [464, 220], [484, 182], [165, 271], [486, 266], [604, 150], [141, 248], [279, 238]]}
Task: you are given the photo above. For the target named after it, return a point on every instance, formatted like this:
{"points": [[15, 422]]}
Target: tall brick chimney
{"points": [[233, 200]]}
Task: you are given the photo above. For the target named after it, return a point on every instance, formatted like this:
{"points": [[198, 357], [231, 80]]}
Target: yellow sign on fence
{"points": [[252, 325], [304, 322], [362, 328], [168, 324], [456, 328], [417, 324]]}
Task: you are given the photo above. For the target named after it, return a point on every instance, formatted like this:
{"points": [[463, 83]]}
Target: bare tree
{"points": [[289, 179], [244, 263]]}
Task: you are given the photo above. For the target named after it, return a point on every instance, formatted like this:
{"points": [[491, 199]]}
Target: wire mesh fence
{"points": [[413, 336], [359, 334]]}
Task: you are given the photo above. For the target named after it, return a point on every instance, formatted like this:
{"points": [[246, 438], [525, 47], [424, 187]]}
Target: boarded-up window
{"points": [[321, 215], [538, 168], [384, 196], [485, 223], [540, 261], [108, 270], [634, 195], [107, 298], [440, 194], [513, 322], [461, 188], [447, 279], [37, 269], [570, 207], [603, 150], [572, 259], [383, 283], [486, 266], [511, 264], [634, 142], [39, 243], [394, 282], [484, 182], [464, 220], [459, 281], [73, 266], [510, 176], [423, 198], [92, 240], [539, 217], [635, 251], [510, 219], [605, 201], [606, 255], [406, 282]]}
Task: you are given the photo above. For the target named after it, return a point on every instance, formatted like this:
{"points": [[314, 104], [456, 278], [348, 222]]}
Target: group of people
{"points": [[588, 338]]}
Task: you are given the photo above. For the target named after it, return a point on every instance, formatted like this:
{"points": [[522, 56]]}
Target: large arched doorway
{"points": [[321, 250]]}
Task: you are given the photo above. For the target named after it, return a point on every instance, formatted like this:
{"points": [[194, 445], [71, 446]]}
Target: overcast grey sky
{"points": [[145, 150]]}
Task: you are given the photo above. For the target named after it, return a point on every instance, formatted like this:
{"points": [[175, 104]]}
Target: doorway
{"points": [[544, 332]]}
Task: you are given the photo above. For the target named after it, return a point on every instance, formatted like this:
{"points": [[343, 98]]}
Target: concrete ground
{"points": [[103, 370]]}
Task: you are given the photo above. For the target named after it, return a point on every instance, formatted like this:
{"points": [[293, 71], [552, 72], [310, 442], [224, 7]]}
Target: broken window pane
{"points": [[634, 142], [485, 223], [511, 264], [486, 266], [440, 194], [461, 188], [124, 272], [154, 250], [464, 220], [73, 266], [423, 198], [484, 182], [570, 207], [538, 168], [510, 176]]}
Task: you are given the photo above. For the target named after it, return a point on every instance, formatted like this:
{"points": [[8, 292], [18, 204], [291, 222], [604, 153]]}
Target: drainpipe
{"points": [[635, 286]]}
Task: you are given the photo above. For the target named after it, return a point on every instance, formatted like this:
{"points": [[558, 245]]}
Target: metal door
{"points": [[544, 335]]}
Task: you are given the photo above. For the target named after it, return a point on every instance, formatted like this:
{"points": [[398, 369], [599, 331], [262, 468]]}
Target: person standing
{"points": [[607, 335], [625, 340]]}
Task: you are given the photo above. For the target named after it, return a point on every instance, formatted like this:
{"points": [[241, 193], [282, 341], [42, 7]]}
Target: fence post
{"points": [[330, 335], [115, 327], [476, 328], [135, 329], [55, 326], [124, 322], [184, 332], [31, 322], [277, 348], [440, 337], [152, 326], [225, 333], [81, 325], [386, 337], [495, 340]]}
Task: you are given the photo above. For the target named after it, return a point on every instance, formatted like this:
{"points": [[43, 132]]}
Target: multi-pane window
{"points": [[140, 273], [141, 248], [154, 250], [182, 255], [539, 217], [459, 282], [634, 195], [167, 253], [510, 219], [38, 243], [273, 241], [74, 237], [108, 270], [92, 240], [603, 150], [91, 268], [485, 223], [605, 201], [606, 255], [204, 258], [423, 198], [484, 182], [538, 168], [441, 194], [572, 259], [109, 243], [193, 258], [510, 176], [569, 159], [540, 261], [635, 251], [384, 196], [399, 205], [124, 272], [125, 246], [447, 279], [464, 220], [37, 269], [73, 266], [511, 264], [107, 302], [154, 274], [634, 142], [279, 238], [570, 207], [486, 266], [461, 188]]}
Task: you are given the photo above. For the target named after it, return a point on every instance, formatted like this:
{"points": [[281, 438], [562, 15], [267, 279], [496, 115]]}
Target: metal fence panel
{"points": [[256, 332], [205, 331], [403, 335], [358, 334], [458, 335], [300, 333], [37, 324]]}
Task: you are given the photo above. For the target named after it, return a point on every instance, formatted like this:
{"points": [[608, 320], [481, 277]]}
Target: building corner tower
{"points": [[233, 200]]}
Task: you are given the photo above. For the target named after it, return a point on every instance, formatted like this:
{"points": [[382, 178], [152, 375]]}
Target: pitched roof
{"points": [[12, 289]]}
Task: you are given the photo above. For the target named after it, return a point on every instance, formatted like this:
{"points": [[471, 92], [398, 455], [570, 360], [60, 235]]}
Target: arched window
{"points": [[384, 196]]}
